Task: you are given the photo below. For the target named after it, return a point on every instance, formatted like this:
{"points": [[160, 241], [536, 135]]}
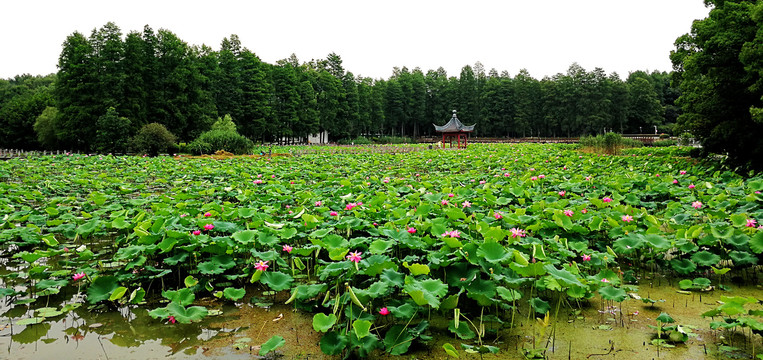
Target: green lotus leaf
{"points": [[539, 306], [657, 242], [183, 296], [333, 343], [450, 350], [742, 258], [493, 252], [738, 240], [535, 269], [245, 237], [508, 294], [685, 284], [362, 328], [756, 243], [233, 293], [48, 283], [186, 315], [30, 321], [683, 266], [101, 288], [701, 283], [665, 318], [397, 340], [462, 331], [392, 277], [629, 244], [612, 293], [380, 246], [378, 289], [273, 343], [417, 269], [564, 276], [375, 264], [705, 258], [310, 291], [426, 292], [277, 281], [323, 322], [405, 311], [118, 293]]}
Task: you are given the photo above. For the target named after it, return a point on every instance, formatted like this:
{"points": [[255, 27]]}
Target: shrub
{"points": [[153, 139], [356, 141], [393, 140], [214, 140]]}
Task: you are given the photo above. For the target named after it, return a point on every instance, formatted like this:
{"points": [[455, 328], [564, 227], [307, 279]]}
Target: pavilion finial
{"points": [[454, 113]]}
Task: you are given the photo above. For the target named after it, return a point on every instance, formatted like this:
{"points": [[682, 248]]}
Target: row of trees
{"points": [[109, 85]]}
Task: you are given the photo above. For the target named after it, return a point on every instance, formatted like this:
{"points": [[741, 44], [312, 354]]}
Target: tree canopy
{"points": [[719, 66]]}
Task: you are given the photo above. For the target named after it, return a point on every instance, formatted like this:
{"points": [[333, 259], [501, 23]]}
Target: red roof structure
{"points": [[454, 129]]}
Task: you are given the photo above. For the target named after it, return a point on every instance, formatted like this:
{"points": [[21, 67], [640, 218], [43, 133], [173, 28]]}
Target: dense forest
{"points": [[154, 76], [109, 86]]}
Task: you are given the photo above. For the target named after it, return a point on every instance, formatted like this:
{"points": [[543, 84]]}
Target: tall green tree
{"points": [[719, 68]]}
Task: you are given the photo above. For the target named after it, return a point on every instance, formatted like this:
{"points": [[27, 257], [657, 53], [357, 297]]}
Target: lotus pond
{"points": [[534, 251]]}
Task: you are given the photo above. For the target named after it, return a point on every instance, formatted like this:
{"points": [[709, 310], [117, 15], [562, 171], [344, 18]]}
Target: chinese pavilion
{"points": [[454, 129]]}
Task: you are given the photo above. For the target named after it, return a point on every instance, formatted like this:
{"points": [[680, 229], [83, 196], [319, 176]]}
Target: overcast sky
{"points": [[372, 37]]}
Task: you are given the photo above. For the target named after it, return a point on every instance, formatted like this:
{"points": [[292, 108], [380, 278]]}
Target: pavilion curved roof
{"points": [[454, 125]]}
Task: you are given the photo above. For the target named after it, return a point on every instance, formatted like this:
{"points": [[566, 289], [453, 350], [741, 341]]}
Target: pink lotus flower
{"points": [[209, 227], [506, 175], [411, 230], [375, 224], [587, 178], [207, 214], [350, 206], [171, 319], [258, 181], [466, 204], [691, 186], [606, 200], [318, 203], [288, 248], [444, 202], [604, 280], [354, 256], [627, 218], [451, 195], [78, 276], [541, 176], [696, 205], [657, 175], [183, 215], [534, 178], [682, 172], [515, 232], [569, 212], [384, 311], [482, 182], [498, 216], [272, 176], [586, 257], [197, 232], [333, 213], [453, 234], [385, 180], [751, 223], [562, 193], [675, 181], [261, 265], [584, 211]]}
